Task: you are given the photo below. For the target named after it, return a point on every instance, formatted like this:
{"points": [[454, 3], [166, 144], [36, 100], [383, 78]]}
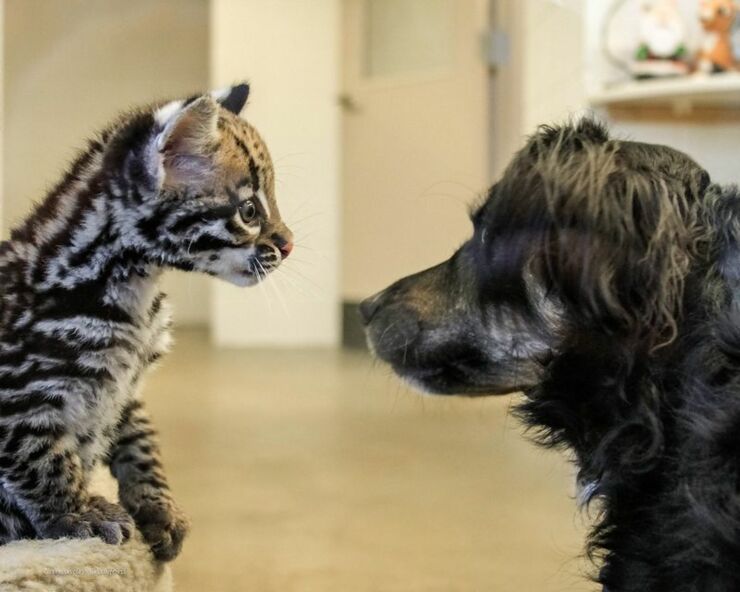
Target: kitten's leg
{"points": [[14, 524], [42, 475], [143, 490]]}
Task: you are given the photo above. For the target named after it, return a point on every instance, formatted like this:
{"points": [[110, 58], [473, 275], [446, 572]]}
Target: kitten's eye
{"points": [[248, 211]]}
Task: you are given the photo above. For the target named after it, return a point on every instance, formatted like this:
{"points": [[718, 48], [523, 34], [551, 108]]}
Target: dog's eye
{"points": [[248, 211]]}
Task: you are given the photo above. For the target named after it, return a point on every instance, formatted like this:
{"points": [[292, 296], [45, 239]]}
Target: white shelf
{"points": [[717, 91]]}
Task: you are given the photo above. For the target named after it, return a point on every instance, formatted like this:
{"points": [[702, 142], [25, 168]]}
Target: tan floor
{"points": [[317, 471]]}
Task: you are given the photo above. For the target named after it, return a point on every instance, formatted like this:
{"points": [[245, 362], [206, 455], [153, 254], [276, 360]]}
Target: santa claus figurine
{"points": [[662, 51]]}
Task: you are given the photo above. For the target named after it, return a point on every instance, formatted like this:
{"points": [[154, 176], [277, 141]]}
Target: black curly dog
{"points": [[602, 280]]}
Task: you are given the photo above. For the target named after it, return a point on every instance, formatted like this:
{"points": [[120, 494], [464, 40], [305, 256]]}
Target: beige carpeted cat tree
{"points": [[82, 565]]}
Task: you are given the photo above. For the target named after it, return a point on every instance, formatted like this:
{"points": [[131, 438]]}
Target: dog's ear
{"points": [[607, 226]]}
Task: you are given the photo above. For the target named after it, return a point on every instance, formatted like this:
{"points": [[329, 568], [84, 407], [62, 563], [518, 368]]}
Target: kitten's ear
{"points": [[185, 143], [189, 128], [232, 98]]}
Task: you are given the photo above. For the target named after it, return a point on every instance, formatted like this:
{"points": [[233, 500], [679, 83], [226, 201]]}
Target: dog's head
{"points": [[584, 237]]}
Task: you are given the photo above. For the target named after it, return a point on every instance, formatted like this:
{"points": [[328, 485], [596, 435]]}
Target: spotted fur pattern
{"points": [[186, 185]]}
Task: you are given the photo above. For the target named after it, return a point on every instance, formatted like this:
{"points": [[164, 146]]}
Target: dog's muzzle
{"points": [[369, 307], [391, 327]]}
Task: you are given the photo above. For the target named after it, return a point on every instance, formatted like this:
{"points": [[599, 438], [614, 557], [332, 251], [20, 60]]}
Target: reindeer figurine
{"points": [[717, 19]]}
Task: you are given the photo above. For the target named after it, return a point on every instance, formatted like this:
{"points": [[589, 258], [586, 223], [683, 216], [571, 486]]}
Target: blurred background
{"points": [[304, 465]]}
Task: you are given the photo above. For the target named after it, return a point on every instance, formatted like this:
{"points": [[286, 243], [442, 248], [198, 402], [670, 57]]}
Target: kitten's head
{"points": [[205, 187]]}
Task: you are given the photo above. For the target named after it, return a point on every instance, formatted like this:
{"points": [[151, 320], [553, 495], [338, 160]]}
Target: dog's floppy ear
{"points": [[606, 225]]}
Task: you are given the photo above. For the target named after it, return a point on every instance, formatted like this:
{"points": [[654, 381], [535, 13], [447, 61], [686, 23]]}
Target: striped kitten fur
{"points": [[186, 185]]}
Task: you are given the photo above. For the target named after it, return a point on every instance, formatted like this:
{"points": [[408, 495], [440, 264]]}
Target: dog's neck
{"points": [[591, 390]]}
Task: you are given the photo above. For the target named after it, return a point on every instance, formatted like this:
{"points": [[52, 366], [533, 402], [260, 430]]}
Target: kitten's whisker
{"points": [[286, 275], [306, 278], [307, 248], [303, 289], [307, 217], [303, 261], [318, 258], [260, 280], [295, 210], [274, 288], [293, 285]]}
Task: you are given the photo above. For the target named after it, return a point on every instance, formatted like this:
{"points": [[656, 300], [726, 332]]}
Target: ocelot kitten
{"points": [[186, 185]]}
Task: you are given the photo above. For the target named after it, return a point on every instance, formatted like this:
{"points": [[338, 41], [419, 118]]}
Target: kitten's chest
{"points": [[135, 348]]}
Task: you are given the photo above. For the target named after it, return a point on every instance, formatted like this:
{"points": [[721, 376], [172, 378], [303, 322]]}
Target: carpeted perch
{"points": [[82, 565]]}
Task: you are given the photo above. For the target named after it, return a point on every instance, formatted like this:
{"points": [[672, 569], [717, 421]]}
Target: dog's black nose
{"points": [[369, 307]]}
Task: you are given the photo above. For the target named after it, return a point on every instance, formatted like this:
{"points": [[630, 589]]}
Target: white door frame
{"points": [[506, 85]]}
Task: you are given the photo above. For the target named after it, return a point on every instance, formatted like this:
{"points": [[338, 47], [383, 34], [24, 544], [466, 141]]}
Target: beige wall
{"points": [[553, 56], [407, 226], [2, 125], [542, 82], [71, 65], [288, 50], [415, 153]]}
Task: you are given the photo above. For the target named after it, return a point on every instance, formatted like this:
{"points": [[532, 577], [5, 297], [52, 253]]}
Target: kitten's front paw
{"points": [[102, 519], [163, 525]]}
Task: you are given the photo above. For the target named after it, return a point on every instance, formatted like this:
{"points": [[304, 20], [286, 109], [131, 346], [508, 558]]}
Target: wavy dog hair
{"points": [[609, 229], [637, 370], [641, 251]]}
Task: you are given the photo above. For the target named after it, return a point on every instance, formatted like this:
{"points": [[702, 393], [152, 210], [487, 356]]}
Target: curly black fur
{"points": [[606, 273]]}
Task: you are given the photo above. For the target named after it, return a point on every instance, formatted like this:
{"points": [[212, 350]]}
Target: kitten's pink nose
{"points": [[286, 249], [283, 243]]}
